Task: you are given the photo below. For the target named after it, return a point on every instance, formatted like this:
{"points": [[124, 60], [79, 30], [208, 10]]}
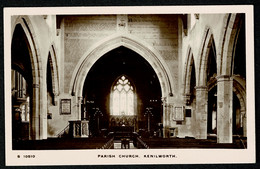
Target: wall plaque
{"points": [[178, 114], [65, 106]]}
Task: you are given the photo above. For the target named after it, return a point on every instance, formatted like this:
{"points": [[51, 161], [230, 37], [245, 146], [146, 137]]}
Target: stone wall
{"points": [[161, 32], [82, 32]]}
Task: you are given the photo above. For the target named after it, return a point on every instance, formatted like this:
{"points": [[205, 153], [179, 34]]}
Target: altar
{"points": [[123, 131]]}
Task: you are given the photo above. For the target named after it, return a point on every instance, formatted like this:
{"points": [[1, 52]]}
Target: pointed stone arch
{"points": [[227, 82], [208, 41], [201, 86], [190, 62], [37, 130], [227, 52], [187, 70], [228, 45], [238, 89], [52, 59], [130, 42]]}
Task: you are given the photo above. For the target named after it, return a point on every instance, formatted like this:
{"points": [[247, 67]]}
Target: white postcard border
{"points": [[91, 157]]}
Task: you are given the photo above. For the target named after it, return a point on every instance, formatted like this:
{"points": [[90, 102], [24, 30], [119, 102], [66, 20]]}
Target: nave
{"points": [[173, 85]]}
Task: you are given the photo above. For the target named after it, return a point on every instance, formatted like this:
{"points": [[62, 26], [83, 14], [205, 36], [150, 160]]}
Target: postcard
{"points": [[129, 85]]}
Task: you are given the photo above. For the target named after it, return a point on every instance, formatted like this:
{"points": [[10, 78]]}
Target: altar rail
{"points": [[109, 144], [141, 143]]}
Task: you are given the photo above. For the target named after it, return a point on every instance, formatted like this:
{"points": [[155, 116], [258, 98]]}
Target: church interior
{"points": [[128, 81]]}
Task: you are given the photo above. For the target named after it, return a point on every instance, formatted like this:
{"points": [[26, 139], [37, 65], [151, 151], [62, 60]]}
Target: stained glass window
{"points": [[122, 96]]}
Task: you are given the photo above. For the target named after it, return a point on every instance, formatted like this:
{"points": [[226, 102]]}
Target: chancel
{"points": [[128, 81]]}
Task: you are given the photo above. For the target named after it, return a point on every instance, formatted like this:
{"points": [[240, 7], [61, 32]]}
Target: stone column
{"points": [[43, 117], [165, 121], [167, 125], [201, 111], [164, 105], [43, 124], [80, 99], [55, 102], [35, 114], [243, 113], [224, 109]]}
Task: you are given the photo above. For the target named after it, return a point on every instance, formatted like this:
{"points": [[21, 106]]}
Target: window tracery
{"points": [[122, 98]]}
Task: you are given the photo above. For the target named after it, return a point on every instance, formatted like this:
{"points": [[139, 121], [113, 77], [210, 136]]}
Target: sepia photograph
{"points": [[129, 85]]}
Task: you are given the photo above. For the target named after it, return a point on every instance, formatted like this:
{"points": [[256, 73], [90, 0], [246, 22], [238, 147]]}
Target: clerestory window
{"points": [[122, 96]]}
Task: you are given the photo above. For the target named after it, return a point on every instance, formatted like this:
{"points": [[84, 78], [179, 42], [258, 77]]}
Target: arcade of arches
{"points": [[151, 76]]}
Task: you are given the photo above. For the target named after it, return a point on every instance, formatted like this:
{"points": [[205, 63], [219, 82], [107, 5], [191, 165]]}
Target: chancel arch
{"points": [[128, 41], [122, 77]]}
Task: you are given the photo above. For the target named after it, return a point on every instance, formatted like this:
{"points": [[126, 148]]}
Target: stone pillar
{"points": [[55, 102], [35, 114], [43, 117], [243, 113], [165, 121], [80, 99], [224, 109], [164, 105], [201, 111], [43, 125]]}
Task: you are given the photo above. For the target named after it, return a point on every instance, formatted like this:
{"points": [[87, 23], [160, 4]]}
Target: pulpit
{"points": [[78, 128]]}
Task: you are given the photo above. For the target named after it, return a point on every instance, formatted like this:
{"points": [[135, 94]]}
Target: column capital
{"points": [[36, 86], [201, 87], [163, 99], [80, 100], [186, 94], [80, 97], [187, 98], [56, 94], [243, 113], [224, 78]]}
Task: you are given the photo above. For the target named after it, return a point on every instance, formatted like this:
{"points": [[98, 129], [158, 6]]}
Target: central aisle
{"points": [[117, 145]]}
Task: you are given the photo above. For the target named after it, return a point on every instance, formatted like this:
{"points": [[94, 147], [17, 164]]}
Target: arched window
{"points": [[122, 96]]}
